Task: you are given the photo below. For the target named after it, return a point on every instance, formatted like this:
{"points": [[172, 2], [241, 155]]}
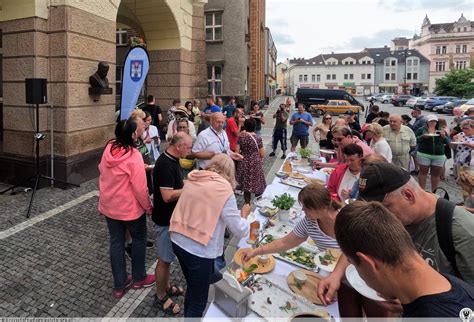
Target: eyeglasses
{"points": [[328, 118]]}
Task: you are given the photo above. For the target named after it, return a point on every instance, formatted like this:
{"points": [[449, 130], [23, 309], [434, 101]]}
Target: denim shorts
{"points": [[164, 248], [430, 160]]}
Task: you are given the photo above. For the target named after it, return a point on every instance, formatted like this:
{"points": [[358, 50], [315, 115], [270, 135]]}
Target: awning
{"points": [[388, 85]]}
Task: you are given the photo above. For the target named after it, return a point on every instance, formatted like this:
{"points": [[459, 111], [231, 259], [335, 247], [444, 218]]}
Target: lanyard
{"points": [[222, 142]]}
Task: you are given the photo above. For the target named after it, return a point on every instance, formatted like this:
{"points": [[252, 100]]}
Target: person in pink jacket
{"points": [[124, 202]]}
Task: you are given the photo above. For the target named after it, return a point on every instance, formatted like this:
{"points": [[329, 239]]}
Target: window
{"points": [[346, 76], [328, 76], [362, 76], [351, 63], [333, 76], [387, 62], [363, 62], [346, 63], [444, 49], [408, 62], [300, 78], [415, 62], [408, 76], [465, 28], [318, 78], [121, 37], [393, 62], [351, 76], [392, 76], [214, 26], [461, 64], [459, 29], [458, 48], [313, 78], [369, 76], [214, 79], [464, 49], [438, 50], [415, 76], [440, 66], [387, 76]]}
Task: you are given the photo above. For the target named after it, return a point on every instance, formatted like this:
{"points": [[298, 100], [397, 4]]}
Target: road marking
{"points": [[130, 301], [30, 222]]}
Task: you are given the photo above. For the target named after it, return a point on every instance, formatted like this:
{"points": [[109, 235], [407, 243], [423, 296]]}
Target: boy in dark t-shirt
{"points": [[382, 251]]}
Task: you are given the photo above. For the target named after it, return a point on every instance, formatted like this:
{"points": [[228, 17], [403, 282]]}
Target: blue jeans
{"points": [[219, 263], [197, 271], [117, 229]]}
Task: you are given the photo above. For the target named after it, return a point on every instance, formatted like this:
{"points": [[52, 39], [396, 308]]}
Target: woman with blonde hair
{"points": [[377, 141], [320, 132], [197, 228]]}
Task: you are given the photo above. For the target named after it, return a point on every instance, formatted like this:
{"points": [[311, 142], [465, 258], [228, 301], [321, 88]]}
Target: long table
{"points": [[282, 268]]}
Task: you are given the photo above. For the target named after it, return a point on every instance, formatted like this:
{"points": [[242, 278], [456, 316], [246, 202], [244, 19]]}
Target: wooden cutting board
{"points": [[261, 269], [310, 289]]}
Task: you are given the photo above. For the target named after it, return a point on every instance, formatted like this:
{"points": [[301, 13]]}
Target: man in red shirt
{"points": [[234, 125]]}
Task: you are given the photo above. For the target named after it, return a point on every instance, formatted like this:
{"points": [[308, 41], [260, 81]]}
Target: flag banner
{"points": [[135, 70]]}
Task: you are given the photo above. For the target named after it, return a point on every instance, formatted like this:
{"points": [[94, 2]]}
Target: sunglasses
{"points": [[328, 118]]}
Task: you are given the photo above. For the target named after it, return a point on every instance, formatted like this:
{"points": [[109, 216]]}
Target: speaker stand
{"points": [[38, 176]]}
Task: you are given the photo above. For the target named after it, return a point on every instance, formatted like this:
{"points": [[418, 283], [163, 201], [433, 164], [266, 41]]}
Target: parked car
{"points": [[400, 100], [449, 106], [314, 96], [467, 105], [438, 100], [375, 96], [411, 102], [386, 98], [420, 102], [335, 107]]}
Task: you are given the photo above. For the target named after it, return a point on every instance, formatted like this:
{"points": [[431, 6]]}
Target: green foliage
{"points": [[305, 153], [459, 83], [284, 201]]}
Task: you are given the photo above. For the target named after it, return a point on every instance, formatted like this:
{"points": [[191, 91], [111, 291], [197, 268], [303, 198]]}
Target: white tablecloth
{"points": [[282, 269]]}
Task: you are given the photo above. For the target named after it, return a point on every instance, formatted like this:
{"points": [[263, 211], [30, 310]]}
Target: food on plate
{"points": [[263, 259], [301, 256], [287, 167], [318, 181], [327, 171], [268, 211], [296, 175], [331, 256]]}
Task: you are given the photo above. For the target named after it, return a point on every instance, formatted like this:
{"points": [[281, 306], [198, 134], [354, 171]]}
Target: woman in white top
{"points": [[320, 132], [378, 142], [151, 138]]}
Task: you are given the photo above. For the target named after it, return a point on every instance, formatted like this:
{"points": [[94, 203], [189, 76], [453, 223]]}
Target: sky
{"points": [[306, 28]]}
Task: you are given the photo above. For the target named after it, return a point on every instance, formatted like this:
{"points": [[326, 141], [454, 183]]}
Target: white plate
{"points": [[359, 284], [327, 171], [327, 268], [303, 169], [327, 151]]}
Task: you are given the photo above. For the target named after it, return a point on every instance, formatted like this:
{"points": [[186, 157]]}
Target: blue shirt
{"points": [[228, 110], [212, 109], [301, 129], [419, 123]]}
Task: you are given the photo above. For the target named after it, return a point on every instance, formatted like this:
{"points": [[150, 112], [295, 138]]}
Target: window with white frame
{"points": [[461, 64], [346, 76], [387, 76], [369, 76], [305, 78], [214, 79], [415, 62], [213, 26], [351, 76], [408, 76], [313, 78], [440, 66], [415, 76], [362, 76], [444, 49], [318, 78], [392, 76], [300, 78], [438, 50], [121, 37], [464, 49], [458, 49], [328, 77], [333, 76]]}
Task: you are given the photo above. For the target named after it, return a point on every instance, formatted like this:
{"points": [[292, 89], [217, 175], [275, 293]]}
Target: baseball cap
{"points": [[431, 117], [378, 179]]}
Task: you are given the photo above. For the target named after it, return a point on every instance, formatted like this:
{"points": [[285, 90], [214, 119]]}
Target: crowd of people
{"points": [[398, 228]]}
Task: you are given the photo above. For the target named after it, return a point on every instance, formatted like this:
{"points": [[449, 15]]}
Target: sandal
{"points": [[174, 290], [170, 309]]}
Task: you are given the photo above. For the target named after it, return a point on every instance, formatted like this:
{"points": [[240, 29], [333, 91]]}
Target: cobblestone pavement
{"points": [[56, 263]]}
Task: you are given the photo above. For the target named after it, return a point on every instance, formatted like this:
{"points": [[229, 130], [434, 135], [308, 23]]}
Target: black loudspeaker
{"points": [[35, 90]]}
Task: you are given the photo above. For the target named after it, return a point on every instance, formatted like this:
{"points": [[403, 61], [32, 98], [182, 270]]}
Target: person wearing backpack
{"points": [[442, 232]]}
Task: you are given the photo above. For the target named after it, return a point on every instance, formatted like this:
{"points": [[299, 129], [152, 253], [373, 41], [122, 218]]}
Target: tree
{"points": [[459, 83]]}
